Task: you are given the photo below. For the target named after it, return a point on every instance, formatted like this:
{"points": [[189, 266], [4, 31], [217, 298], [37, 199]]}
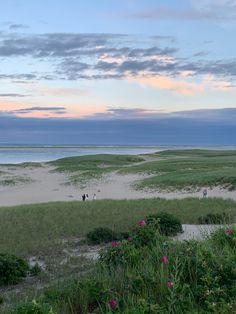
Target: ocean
{"points": [[18, 154]]}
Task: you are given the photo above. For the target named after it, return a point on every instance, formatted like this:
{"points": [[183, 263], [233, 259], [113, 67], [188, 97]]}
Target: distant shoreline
{"points": [[44, 153]]}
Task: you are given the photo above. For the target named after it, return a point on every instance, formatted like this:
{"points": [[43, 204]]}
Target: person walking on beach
{"points": [[204, 193]]}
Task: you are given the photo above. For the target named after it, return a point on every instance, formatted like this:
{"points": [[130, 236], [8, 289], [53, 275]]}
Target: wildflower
{"points": [[114, 244], [170, 284], [142, 222], [164, 259], [112, 303], [130, 238], [228, 232]]}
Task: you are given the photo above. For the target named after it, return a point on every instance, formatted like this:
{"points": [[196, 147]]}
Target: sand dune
{"points": [[47, 186]]}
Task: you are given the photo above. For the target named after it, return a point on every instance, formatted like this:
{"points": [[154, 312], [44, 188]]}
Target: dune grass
{"points": [[188, 169], [12, 180], [84, 168], [151, 274], [31, 229]]}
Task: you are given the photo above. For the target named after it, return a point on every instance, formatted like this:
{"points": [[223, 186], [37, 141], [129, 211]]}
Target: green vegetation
{"points": [[12, 269], [188, 169], [166, 223], [151, 274], [101, 235], [22, 165], [84, 168], [40, 228], [54, 233], [14, 180], [217, 218], [145, 273]]}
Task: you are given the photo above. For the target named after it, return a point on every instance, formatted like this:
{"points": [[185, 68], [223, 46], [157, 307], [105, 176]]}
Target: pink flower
{"points": [[164, 259], [112, 303], [130, 238], [170, 284], [228, 232], [114, 244], [142, 222]]}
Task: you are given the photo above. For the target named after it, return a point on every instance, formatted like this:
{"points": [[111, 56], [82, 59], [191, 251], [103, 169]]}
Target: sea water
{"points": [[19, 154]]}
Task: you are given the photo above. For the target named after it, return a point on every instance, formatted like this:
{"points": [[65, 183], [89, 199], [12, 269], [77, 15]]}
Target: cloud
{"points": [[18, 26], [168, 13], [56, 44], [201, 127], [226, 115], [114, 56], [36, 112], [13, 95], [209, 10], [22, 76], [40, 109], [126, 113], [166, 83]]}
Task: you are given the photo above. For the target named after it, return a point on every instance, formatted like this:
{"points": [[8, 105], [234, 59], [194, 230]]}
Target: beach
{"points": [[44, 184]]}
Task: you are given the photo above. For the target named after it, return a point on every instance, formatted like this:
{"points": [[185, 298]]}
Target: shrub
{"points": [[35, 270], [34, 307], [167, 224], [90, 294], [101, 235], [224, 237], [12, 269], [1, 300], [144, 235], [124, 253], [218, 218]]}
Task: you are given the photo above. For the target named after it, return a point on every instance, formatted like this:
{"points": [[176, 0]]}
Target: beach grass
{"points": [[39, 228], [187, 170], [81, 169], [6, 180], [148, 274]]}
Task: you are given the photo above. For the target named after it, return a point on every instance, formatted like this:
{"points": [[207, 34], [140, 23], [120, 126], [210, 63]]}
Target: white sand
{"points": [[197, 232], [47, 186]]}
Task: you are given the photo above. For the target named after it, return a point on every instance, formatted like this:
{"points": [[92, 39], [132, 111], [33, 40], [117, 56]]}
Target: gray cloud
{"points": [[211, 115], [104, 56], [54, 110], [127, 113], [18, 26], [13, 95], [23, 76], [33, 109], [181, 128], [56, 44], [201, 11], [201, 54]]}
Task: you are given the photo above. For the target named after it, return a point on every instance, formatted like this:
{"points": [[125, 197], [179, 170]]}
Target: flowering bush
{"points": [[124, 253], [165, 223], [141, 222], [149, 273], [144, 235], [225, 236], [113, 304], [164, 259]]}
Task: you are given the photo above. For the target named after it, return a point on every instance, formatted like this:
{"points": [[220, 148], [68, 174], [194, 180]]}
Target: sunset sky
{"points": [[96, 65]]}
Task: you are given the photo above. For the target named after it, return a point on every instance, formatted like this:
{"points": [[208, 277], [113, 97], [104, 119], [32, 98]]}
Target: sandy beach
{"points": [[43, 184]]}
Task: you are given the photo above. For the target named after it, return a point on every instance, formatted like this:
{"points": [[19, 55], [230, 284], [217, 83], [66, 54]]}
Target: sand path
{"points": [[47, 186]]}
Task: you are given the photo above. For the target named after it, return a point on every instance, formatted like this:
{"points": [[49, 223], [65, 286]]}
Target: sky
{"points": [[118, 72]]}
